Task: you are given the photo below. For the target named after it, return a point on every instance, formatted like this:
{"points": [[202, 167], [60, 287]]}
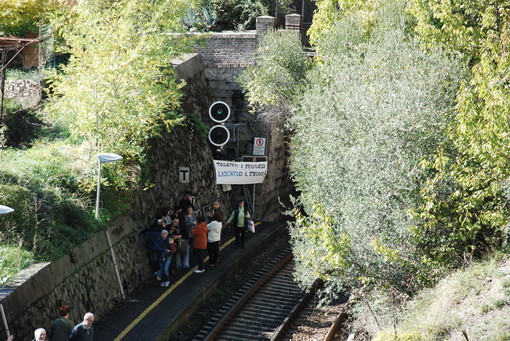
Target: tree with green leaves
{"points": [[21, 17], [328, 13], [376, 105], [119, 88], [362, 120], [465, 208], [278, 76]]}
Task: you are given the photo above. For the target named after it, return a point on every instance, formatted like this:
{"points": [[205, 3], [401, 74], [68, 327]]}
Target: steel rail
{"points": [[245, 298], [286, 324], [337, 325]]}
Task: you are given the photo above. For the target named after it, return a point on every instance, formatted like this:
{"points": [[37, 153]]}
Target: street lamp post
{"points": [[5, 210], [104, 158]]}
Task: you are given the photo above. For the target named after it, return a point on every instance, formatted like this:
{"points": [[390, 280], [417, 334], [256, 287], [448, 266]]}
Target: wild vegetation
{"points": [[399, 146], [278, 76], [19, 18], [469, 304], [227, 15], [115, 95], [465, 210], [379, 104], [398, 130], [117, 91]]}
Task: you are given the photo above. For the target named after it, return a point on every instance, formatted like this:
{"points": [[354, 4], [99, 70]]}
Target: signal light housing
{"points": [[219, 135], [219, 112]]}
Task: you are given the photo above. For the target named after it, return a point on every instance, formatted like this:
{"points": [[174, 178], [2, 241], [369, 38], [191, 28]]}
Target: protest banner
{"points": [[239, 173]]}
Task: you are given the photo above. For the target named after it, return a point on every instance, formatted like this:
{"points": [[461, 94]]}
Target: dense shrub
{"points": [[119, 88], [465, 212], [23, 127], [376, 105], [20, 17], [278, 76]]}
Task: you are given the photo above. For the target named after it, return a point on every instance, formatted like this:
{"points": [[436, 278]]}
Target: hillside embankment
{"points": [[470, 304]]}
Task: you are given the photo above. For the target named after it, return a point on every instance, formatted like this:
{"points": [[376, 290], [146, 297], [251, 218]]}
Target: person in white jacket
{"points": [[213, 238]]}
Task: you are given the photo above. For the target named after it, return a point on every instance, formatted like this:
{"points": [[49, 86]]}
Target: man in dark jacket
{"points": [[83, 331], [62, 326]]}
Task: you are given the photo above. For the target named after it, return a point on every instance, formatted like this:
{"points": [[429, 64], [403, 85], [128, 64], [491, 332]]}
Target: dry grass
{"points": [[474, 301]]}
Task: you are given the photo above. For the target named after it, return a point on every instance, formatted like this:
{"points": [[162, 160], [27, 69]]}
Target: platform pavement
{"points": [[153, 312]]}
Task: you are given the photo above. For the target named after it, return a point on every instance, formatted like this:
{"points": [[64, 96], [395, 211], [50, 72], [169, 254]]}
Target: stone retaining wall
{"points": [[234, 49], [226, 55], [229, 49], [85, 279], [22, 88]]}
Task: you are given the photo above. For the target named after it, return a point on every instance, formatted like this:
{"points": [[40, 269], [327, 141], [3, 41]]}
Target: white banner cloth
{"points": [[239, 173]]}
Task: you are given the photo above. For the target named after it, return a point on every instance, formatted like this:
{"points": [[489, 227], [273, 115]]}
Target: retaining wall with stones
{"points": [[229, 49], [225, 58], [22, 88]]}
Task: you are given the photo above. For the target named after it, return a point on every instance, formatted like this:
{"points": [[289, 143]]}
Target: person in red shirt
{"points": [[199, 233]]}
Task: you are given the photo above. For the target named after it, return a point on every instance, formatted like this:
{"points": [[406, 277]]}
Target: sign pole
{"points": [[253, 217]]}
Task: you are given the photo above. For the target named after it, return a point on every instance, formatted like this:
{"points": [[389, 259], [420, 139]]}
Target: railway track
{"points": [[259, 307], [308, 322], [269, 307]]}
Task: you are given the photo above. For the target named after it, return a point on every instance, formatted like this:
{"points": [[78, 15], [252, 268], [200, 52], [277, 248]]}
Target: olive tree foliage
{"points": [[465, 212], [277, 77], [375, 106], [328, 12], [119, 88]]}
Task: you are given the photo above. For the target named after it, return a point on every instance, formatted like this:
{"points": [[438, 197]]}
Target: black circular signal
{"points": [[219, 112], [219, 135]]}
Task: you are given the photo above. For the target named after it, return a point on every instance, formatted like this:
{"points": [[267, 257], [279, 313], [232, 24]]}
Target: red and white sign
{"points": [[259, 146]]}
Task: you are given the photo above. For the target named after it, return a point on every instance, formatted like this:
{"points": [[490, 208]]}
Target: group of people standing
{"points": [[175, 235], [181, 231], [63, 329]]}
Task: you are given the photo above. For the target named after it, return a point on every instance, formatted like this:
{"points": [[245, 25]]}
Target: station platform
{"points": [[154, 313]]}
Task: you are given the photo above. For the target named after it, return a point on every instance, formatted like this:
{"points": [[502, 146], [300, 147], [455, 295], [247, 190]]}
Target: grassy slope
{"points": [[475, 301], [12, 261]]}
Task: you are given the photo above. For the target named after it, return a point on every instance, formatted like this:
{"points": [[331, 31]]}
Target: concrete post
{"points": [[293, 24], [293, 21], [264, 24]]}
